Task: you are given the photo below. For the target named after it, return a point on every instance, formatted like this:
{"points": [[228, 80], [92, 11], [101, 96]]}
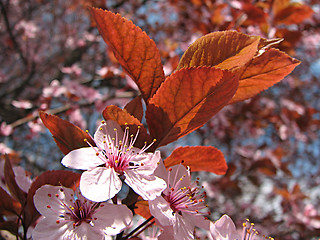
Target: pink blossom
{"points": [[225, 229], [181, 207], [22, 178], [5, 129], [115, 160], [68, 215]]}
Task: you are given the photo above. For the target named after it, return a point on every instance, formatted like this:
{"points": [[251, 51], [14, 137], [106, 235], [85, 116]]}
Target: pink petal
{"points": [[197, 220], [183, 228], [48, 229], [148, 187], [85, 231], [100, 184], [160, 209], [82, 158], [224, 229], [177, 172], [150, 162], [106, 132], [112, 218], [48, 198]]}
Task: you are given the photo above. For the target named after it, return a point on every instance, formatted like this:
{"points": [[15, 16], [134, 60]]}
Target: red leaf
{"points": [[294, 13], [134, 50], [187, 100], [56, 178], [134, 107], [13, 187], [263, 72], [142, 209], [11, 226], [8, 205], [67, 136], [226, 50], [209, 159], [124, 119]]}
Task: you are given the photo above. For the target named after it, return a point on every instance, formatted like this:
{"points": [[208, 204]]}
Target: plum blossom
{"points": [[22, 178], [68, 215], [114, 160], [225, 229], [181, 207]]}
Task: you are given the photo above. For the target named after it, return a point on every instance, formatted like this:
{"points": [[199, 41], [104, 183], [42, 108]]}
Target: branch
{"points": [[13, 39]]}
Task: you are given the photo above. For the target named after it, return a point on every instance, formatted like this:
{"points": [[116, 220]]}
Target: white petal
{"points": [[179, 172], [150, 162], [112, 218], [183, 228], [48, 199], [167, 233], [148, 187], [82, 158], [23, 181], [48, 229], [86, 232], [160, 209], [106, 132], [224, 229], [100, 184]]}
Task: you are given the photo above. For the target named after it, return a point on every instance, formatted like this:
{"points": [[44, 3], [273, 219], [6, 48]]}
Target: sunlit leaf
{"points": [[10, 180], [263, 72], [56, 178], [67, 136], [134, 50], [225, 50], [124, 119], [187, 100], [199, 158], [142, 209], [134, 107], [294, 13]]}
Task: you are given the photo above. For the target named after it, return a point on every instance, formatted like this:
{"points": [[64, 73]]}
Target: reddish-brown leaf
{"points": [[226, 50], [56, 178], [187, 100], [11, 226], [124, 119], [294, 13], [134, 107], [263, 72], [8, 205], [13, 187], [67, 136], [199, 158], [134, 50]]}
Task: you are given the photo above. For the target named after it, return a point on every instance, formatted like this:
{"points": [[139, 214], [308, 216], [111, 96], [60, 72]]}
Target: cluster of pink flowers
{"points": [[92, 211]]}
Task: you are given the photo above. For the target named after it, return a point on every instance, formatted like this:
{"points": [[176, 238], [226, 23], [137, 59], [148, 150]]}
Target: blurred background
{"points": [[53, 59]]}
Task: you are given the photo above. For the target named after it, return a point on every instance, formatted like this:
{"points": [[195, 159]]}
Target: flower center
{"points": [[118, 153], [185, 199], [79, 210]]}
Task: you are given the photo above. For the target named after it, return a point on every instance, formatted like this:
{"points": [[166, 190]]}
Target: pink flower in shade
{"points": [[115, 160], [68, 215], [181, 207], [224, 229]]}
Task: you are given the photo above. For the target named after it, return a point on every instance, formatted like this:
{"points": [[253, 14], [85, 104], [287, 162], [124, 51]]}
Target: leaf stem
{"points": [[137, 228]]}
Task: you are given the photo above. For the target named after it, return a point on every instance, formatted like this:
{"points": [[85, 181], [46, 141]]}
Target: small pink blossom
{"points": [[22, 178], [181, 207], [113, 161], [68, 215], [5, 129], [225, 229]]}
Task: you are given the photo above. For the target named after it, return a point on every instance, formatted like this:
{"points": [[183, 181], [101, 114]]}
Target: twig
{"points": [[13, 39]]}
